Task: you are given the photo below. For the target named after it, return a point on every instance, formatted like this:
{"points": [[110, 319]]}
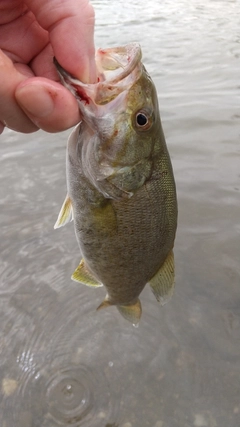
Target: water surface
{"points": [[61, 362]]}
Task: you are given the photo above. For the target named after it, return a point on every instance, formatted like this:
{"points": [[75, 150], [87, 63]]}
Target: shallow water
{"points": [[63, 363]]}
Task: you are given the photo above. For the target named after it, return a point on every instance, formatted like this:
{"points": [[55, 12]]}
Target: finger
{"points": [[71, 28], [42, 65], [11, 114], [11, 10], [22, 38], [48, 104], [1, 127]]}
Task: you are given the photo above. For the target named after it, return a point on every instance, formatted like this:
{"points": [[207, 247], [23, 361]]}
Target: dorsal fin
{"points": [[162, 284]]}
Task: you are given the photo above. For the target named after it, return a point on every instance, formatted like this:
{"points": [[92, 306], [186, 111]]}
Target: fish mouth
{"points": [[114, 64], [117, 68]]}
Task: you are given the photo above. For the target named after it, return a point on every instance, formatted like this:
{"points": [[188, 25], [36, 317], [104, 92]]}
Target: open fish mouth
{"points": [[114, 64], [117, 68]]}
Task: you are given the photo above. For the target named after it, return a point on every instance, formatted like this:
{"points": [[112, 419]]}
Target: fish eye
{"points": [[143, 120]]}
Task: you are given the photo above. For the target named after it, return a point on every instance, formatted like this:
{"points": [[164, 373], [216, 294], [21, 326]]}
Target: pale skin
{"points": [[31, 33]]}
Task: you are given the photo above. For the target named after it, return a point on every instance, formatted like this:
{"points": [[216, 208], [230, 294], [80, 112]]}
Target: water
{"points": [[61, 362]]}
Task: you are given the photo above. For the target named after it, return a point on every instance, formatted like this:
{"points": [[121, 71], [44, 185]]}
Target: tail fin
{"points": [[131, 312], [104, 304]]}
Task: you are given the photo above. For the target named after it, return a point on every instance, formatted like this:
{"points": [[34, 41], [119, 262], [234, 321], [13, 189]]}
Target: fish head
{"points": [[120, 115]]}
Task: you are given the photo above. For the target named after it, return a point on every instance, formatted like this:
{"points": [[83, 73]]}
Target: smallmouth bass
{"points": [[120, 186]]}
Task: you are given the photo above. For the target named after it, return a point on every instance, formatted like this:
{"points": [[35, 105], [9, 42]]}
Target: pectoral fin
{"points": [[162, 284], [65, 214], [132, 312], [82, 275]]}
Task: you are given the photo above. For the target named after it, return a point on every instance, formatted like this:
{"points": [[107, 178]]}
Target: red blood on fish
{"points": [[82, 95]]}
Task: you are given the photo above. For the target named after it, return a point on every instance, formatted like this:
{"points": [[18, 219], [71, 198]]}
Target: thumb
{"points": [[71, 29], [48, 104]]}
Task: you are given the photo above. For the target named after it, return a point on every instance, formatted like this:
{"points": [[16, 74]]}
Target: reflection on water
{"points": [[63, 363]]}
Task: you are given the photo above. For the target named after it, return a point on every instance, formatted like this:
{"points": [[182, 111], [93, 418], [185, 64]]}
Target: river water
{"points": [[61, 362]]}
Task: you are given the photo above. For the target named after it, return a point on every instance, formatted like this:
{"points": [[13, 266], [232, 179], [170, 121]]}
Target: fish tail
{"points": [[104, 304], [130, 312]]}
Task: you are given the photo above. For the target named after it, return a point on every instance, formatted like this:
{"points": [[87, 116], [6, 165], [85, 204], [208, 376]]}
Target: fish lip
{"points": [[132, 51], [61, 71], [106, 88]]}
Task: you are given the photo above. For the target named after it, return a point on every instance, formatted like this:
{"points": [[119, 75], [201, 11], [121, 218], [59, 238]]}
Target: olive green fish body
{"points": [[121, 189], [124, 242]]}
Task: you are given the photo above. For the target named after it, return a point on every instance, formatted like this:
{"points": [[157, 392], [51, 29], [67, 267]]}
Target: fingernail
{"points": [[36, 100], [93, 71]]}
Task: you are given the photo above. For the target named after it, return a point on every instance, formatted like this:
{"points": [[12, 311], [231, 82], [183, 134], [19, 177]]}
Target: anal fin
{"points": [[82, 275], [162, 284], [65, 214]]}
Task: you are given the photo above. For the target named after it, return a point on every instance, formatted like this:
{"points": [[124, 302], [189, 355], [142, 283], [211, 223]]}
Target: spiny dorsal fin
{"points": [[65, 214], [82, 275], [162, 284]]}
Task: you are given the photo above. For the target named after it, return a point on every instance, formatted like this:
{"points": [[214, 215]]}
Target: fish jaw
{"points": [[117, 69], [107, 130], [103, 105]]}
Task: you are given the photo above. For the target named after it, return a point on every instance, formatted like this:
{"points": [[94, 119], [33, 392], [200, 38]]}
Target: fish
{"points": [[121, 192]]}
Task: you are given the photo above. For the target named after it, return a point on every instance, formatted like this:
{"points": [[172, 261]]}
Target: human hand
{"points": [[31, 33]]}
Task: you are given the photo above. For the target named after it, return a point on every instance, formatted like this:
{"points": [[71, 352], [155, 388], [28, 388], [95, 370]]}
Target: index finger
{"points": [[70, 24]]}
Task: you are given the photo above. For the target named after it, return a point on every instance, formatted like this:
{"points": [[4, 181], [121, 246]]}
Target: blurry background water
{"points": [[61, 362]]}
